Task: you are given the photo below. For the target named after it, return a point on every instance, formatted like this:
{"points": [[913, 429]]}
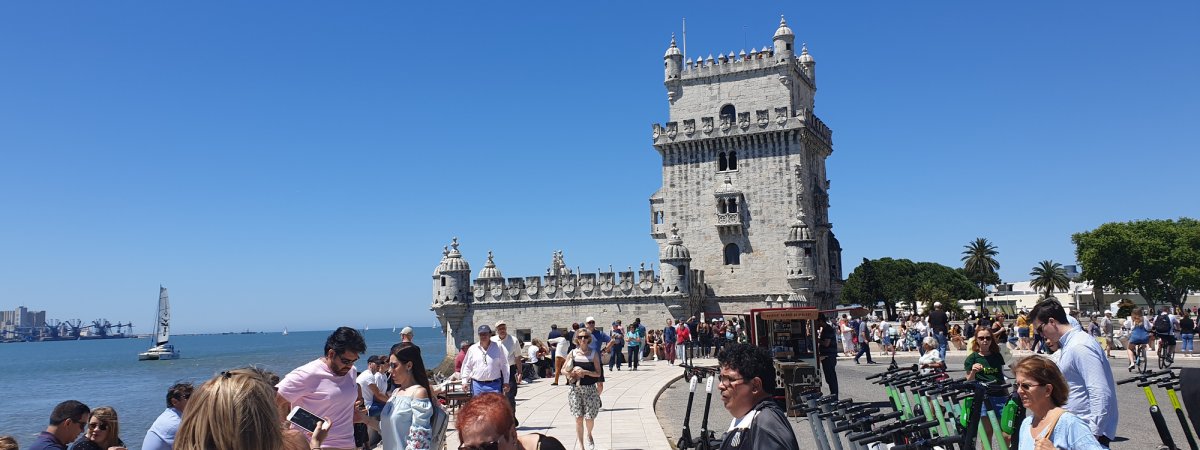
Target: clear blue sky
{"points": [[302, 163]]}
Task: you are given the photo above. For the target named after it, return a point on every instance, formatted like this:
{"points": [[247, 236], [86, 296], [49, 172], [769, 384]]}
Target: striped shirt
{"points": [[1092, 392]]}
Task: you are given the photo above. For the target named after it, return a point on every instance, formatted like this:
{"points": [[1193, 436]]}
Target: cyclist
{"points": [[1139, 335], [1164, 330]]}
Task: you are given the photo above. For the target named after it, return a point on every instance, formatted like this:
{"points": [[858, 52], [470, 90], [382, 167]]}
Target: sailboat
{"points": [[285, 331], [162, 332]]}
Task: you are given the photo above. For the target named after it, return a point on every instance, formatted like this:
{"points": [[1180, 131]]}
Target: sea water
{"points": [[36, 376]]}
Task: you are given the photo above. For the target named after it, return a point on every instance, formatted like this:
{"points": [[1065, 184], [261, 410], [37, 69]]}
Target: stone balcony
{"points": [[729, 223]]}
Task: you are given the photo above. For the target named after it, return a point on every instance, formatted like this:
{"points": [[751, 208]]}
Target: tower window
{"points": [[728, 113], [722, 163], [443, 281], [733, 255], [732, 160], [658, 217], [721, 208], [733, 205]]}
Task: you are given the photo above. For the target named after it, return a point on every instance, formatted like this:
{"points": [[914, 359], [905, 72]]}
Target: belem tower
{"points": [[741, 219]]}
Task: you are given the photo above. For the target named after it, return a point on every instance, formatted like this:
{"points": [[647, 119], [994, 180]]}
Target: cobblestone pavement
{"points": [[1135, 430]]}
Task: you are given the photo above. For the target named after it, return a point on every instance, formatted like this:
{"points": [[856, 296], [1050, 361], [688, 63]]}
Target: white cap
{"points": [[937, 304], [500, 323], [590, 319]]}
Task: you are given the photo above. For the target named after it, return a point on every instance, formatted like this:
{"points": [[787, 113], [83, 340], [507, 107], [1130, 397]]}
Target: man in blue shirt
{"points": [[1091, 390], [599, 342], [669, 341], [67, 422], [161, 435]]}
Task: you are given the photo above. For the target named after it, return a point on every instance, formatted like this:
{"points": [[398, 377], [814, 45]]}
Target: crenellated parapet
{"points": [[764, 60], [748, 124], [601, 285]]}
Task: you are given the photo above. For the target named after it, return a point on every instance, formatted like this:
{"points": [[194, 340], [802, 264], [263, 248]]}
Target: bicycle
{"points": [[1140, 360], [1166, 355]]}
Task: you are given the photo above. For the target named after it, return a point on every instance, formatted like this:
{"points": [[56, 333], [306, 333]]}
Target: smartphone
{"points": [[303, 418]]}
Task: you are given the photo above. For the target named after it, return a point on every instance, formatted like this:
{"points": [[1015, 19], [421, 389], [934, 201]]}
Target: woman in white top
{"points": [[931, 359], [406, 419]]}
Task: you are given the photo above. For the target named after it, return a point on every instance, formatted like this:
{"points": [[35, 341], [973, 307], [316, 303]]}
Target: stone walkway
{"points": [[626, 421]]}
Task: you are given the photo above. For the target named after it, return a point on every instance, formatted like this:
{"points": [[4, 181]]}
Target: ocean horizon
{"points": [[106, 372]]}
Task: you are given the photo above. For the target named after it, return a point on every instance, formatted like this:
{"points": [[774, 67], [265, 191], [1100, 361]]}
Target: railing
{"points": [[725, 219]]}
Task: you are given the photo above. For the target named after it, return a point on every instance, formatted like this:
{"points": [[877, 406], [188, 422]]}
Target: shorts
{"points": [[1167, 339], [1023, 332], [584, 401], [887, 340]]}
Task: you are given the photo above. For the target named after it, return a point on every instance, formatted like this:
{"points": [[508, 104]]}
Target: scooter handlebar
{"points": [[930, 443]]}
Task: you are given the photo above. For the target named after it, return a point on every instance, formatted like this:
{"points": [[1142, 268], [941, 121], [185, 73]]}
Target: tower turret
{"points": [[808, 64], [489, 272], [785, 42], [437, 277], [676, 261], [801, 247], [673, 61], [454, 277]]}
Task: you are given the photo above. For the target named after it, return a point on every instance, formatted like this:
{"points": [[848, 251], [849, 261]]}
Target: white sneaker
{"points": [[591, 443]]}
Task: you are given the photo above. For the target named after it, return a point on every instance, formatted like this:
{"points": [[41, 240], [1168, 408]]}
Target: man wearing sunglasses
{"points": [[67, 422], [747, 380], [326, 386], [161, 435], [1091, 392]]}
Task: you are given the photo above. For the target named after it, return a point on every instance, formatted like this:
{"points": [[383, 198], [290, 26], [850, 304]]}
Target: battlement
{"points": [[723, 64], [746, 123], [570, 286]]}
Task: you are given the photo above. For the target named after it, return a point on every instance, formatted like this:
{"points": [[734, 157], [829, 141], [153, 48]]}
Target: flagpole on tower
{"points": [[685, 38]]}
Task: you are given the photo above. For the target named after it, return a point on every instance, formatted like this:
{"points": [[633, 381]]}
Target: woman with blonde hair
{"points": [[1043, 390], [102, 431], [235, 410]]}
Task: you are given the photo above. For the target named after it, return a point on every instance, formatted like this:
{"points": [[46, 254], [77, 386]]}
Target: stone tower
{"points": [[743, 158]]}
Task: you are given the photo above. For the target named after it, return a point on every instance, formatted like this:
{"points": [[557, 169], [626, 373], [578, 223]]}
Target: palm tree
{"points": [[979, 261], [1050, 276]]}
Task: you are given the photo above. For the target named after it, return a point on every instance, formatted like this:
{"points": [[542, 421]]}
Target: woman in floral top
{"points": [[406, 419]]}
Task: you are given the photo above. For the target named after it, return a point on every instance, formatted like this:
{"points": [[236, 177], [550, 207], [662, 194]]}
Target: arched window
{"points": [[728, 111], [722, 163], [732, 160], [658, 217], [443, 281], [721, 207], [733, 255], [733, 205]]}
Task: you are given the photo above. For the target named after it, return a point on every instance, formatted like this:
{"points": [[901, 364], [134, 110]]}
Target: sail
{"points": [[162, 327]]}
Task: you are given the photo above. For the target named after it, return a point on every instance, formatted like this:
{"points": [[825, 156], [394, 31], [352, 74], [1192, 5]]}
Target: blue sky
{"points": [[302, 163]]}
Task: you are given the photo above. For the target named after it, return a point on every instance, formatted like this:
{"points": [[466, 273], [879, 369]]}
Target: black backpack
{"points": [[1162, 325]]}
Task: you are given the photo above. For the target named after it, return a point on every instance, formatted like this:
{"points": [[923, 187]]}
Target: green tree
{"points": [[1050, 276], [980, 265], [1158, 259], [903, 282]]}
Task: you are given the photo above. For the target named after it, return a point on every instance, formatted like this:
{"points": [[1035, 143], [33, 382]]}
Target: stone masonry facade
{"points": [[743, 184]]}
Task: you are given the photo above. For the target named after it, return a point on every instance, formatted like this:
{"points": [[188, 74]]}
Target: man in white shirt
{"points": [[1091, 390], [512, 347], [485, 369], [368, 382], [562, 345]]}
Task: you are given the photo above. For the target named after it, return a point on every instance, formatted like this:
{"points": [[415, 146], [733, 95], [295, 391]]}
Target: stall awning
{"points": [[787, 314]]}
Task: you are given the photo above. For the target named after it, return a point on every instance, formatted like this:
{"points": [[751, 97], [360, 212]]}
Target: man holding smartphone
{"points": [[326, 386]]}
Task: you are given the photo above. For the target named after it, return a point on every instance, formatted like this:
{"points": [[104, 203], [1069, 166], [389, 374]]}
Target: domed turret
{"points": [[675, 260], [807, 63], [801, 257], [489, 271], [673, 64], [454, 261], [784, 41], [452, 281]]}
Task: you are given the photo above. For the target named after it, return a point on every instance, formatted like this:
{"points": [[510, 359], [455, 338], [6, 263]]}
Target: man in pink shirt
{"points": [[326, 386]]}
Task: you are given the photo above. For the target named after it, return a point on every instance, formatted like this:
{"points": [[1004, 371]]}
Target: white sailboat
{"points": [[285, 331], [162, 332]]}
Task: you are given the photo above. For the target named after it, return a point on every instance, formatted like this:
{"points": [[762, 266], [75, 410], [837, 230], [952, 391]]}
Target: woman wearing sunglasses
{"points": [[584, 398], [1043, 391], [102, 431]]}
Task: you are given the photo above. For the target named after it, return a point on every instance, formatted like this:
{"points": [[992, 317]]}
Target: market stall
{"points": [[790, 334]]}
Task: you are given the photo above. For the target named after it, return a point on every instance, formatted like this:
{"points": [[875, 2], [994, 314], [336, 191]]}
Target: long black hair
{"points": [[412, 353]]}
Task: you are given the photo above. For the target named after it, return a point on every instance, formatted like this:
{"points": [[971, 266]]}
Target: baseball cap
{"points": [[590, 319], [484, 329], [406, 330], [501, 323]]}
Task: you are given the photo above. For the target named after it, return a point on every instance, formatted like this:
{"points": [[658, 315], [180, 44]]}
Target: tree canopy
{"points": [[1158, 259], [901, 281], [980, 265], [1050, 276]]}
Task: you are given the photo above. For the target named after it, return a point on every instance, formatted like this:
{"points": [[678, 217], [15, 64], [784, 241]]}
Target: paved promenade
{"points": [[626, 421]]}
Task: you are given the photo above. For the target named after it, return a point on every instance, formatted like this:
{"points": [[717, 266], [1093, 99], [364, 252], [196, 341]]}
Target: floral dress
{"points": [[405, 423]]}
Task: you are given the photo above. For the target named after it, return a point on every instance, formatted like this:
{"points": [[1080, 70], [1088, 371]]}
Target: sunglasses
{"points": [[97, 426], [494, 445], [1026, 386]]}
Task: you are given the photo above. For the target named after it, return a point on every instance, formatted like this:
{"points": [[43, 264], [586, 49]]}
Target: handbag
{"points": [[568, 365]]}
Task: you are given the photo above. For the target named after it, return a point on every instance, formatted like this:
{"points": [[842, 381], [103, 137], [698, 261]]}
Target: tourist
{"points": [[161, 435], [326, 385], [103, 431], [554, 332], [237, 410], [407, 420], [406, 335], [938, 323], [8, 443], [1139, 334], [1106, 326], [485, 368], [668, 334], [512, 348], [1187, 332], [683, 341], [1092, 394], [562, 345], [704, 334], [1164, 330], [537, 358], [654, 340], [584, 397], [718, 335], [931, 356], [461, 356], [747, 383], [633, 340], [641, 329], [985, 364], [485, 423], [68, 419], [827, 347], [374, 395], [1043, 390], [847, 335], [616, 343], [599, 341], [864, 342]]}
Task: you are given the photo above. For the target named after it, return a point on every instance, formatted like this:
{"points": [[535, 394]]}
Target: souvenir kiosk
{"points": [[790, 335]]}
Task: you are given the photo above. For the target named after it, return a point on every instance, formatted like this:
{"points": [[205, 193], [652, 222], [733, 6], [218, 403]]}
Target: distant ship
{"points": [[162, 332]]}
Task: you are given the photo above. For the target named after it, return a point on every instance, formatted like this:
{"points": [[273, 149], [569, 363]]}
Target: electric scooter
{"points": [[706, 435], [685, 437]]}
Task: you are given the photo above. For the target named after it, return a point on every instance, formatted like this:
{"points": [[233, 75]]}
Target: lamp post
{"points": [[1077, 299]]}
